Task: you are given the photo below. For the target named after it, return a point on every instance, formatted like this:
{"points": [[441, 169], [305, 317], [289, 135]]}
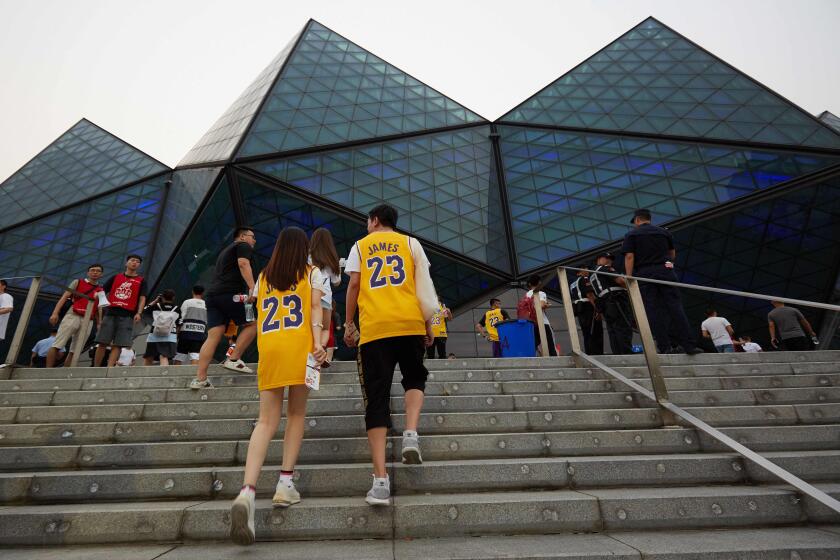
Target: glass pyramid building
{"points": [[748, 182]]}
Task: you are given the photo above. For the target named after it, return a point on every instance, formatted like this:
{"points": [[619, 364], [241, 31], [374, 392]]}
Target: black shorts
{"points": [[157, 350], [221, 310], [189, 346], [377, 361]]}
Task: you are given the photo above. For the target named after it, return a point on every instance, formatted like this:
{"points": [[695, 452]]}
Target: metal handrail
{"points": [[669, 411]]}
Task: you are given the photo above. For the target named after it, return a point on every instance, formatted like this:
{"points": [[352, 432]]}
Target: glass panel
{"points": [[186, 193], [831, 120], [785, 246], [62, 245], [652, 80], [82, 162], [579, 190], [443, 185], [218, 143], [334, 91], [194, 261]]}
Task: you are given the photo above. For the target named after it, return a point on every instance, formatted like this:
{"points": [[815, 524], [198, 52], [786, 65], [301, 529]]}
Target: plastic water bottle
{"points": [[240, 298]]}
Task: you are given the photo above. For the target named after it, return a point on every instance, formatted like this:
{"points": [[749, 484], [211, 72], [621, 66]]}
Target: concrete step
{"points": [[778, 543], [435, 447], [412, 516], [433, 476]]}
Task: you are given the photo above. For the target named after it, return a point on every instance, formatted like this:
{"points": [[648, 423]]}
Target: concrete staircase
{"points": [[525, 458]]}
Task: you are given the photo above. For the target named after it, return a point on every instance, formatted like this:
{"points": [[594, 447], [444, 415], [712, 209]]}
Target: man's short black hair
{"points": [[710, 311], [3, 283], [240, 230], [494, 300], [198, 289], [386, 214], [168, 294], [100, 267], [138, 257], [534, 281]]}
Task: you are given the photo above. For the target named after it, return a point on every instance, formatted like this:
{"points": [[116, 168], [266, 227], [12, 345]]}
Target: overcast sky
{"points": [[157, 73]]}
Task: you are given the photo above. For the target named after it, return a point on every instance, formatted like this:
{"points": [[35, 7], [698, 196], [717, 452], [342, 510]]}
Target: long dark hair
{"points": [[289, 260], [322, 249]]}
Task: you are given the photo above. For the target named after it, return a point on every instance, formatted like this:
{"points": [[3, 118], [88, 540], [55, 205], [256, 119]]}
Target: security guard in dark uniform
{"points": [[585, 309], [649, 253], [614, 304]]}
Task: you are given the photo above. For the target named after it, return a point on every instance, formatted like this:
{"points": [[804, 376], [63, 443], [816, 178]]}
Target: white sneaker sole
{"points": [[239, 530], [377, 501], [411, 456], [280, 503]]}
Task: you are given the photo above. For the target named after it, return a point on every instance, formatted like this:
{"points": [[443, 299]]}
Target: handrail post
{"points": [[660, 390], [82, 335], [568, 309], [23, 322], [540, 323]]}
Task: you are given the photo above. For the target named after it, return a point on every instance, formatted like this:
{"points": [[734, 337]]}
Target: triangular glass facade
{"points": [[442, 184], [185, 194], [333, 91], [83, 162], [569, 192], [654, 81], [219, 143], [831, 120], [62, 245]]}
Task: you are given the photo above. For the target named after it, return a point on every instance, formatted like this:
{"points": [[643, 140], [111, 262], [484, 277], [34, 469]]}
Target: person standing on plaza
{"points": [[162, 341], [649, 253], [439, 331], [392, 328], [584, 305], [192, 325], [126, 293], [788, 327], [324, 257], [487, 325], [7, 304], [226, 298], [535, 294], [719, 331], [289, 315], [72, 322], [614, 303]]}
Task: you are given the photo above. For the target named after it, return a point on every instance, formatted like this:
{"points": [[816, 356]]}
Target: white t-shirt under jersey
{"points": [[716, 327], [5, 301]]}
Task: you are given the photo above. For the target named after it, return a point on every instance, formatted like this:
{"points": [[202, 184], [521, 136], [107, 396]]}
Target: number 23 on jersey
{"points": [[285, 314], [390, 270]]}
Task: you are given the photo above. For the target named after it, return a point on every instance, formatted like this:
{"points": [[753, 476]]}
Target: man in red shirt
{"points": [[71, 325], [126, 298]]}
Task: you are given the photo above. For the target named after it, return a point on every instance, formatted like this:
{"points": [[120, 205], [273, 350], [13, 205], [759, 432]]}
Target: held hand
{"points": [[319, 353], [137, 317], [774, 343], [53, 319], [350, 338], [251, 299], [429, 338]]}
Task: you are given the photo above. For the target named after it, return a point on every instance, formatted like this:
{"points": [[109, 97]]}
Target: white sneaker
{"points": [[411, 449], [380, 493], [199, 384], [242, 519], [236, 365], [285, 495]]}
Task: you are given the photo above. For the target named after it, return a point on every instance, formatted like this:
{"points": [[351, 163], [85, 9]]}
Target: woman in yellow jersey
{"points": [[289, 341], [439, 331]]}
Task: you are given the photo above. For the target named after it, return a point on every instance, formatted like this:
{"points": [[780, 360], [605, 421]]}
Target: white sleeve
{"points": [[335, 278], [418, 253], [725, 322], [354, 262], [316, 279], [256, 291], [542, 296]]}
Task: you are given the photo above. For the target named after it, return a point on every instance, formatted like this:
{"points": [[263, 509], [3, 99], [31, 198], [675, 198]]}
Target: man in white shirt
{"points": [[6, 306], [719, 330]]}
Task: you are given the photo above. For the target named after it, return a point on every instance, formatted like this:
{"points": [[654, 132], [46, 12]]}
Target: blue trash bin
{"points": [[516, 337]]}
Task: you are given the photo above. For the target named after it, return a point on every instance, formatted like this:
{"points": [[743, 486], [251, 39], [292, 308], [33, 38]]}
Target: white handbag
{"points": [[424, 288]]}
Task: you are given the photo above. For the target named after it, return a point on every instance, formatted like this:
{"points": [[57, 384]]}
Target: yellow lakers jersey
{"points": [[439, 323], [284, 333], [491, 319], [388, 304]]}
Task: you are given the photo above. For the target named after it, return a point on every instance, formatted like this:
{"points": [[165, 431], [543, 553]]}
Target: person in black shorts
{"points": [[226, 298]]}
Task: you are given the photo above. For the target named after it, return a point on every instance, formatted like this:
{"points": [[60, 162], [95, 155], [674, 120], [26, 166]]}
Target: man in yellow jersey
{"points": [[487, 325], [439, 331], [392, 331]]}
